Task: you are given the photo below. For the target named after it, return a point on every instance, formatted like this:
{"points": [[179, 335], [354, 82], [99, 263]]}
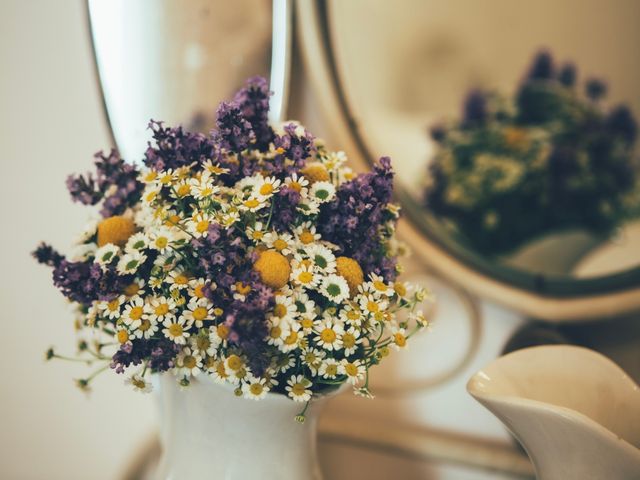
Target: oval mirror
{"points": [[409, 79]]}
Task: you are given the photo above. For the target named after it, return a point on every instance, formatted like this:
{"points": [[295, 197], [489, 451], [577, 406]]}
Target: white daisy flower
{"points": [[198, 311], [176, 329], [333, 161], [306, 234], [256, 232], [298, 388], [134, 312], [266, 187], [198, 225], [138, 383], [83, 252], [203, 187], [322, 192], [130, 262], [284, 307], [218, 371], [419, 317], [335, 288], [122, 336], [159, 308], [135, 288], [308, 207], [255, 388], [350, 341], [181, 189], [188, 363], [206, 342], [280, 242], [253, 203], [161, 239], [111, 309], [323, 258], [312, 358], [373, 305], [354, 370], [378, 285], [298, 183], [177, 279], [292, 341], [240, 291], [328, 332], [88, 232], [213, 169], [279, 329], [304, 275], [352, 315], [329, 368], [106, 254], [166, 177], [137, 241], [166, 261], [398, 338]]}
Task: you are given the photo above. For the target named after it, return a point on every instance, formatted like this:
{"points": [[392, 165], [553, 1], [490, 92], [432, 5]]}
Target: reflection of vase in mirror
{"points": [[174, 61], [575, 412], [446, 49]]}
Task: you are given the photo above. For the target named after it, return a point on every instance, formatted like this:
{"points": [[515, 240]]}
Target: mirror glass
{"points": [[174, 61], [503, 120]]}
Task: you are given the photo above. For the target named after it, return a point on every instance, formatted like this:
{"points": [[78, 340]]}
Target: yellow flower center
{"points": [[351, 369], [161, 242], [203, 343], [113, 305], [161, 309], [150, 176], [353, 315], [123, 336], [200, 313], [218, 312], [197, 291], [223, 331], [380, 286], [348, 340], [251, 203], [305, 277], [279, 310], [400, 289], [189, 362], [297, 186], [175, 330], [136, 313], [166, 179], [202, 226], [328, 335], [331, 370], [151, 196], [306, 323], [183, 190], [298, 389], [275, 332], [181, 279], [256, 388], [257, 235], [310, 358], [138, 383], [315, 172], [234, 362], [306, 237], [266, 189], [220, 370], [400, 339], [280, 244], [131, 290], [145, 325], [372, 306], [291, 339], [243, 288], [173, 220]]}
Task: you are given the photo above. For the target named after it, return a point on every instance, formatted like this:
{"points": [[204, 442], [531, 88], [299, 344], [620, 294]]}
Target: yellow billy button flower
{"points": [[315, 172], [350, 270], [274, 269], [116, 230]]}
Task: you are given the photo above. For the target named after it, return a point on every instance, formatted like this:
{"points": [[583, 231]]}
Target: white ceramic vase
{"points": [[576, 412], [208, 433]]}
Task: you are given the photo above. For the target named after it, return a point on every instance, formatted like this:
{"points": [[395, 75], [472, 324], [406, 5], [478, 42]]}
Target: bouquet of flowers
{"points": [[253, 255], [548, 159]]}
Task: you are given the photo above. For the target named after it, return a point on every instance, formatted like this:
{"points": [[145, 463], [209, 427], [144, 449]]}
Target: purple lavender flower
{"points": [[294, 147], [84, 282], [234, 133], [175, 147], [364, 198], [47, 255], [542, 67], [253, 101], [475, 108], [159, 351]]}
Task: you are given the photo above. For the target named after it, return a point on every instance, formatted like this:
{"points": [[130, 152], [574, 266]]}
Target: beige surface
{"points": [[50, 125]]}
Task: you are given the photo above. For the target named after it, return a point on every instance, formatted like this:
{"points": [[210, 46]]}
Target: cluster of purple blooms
{"points": [[354, 221]]}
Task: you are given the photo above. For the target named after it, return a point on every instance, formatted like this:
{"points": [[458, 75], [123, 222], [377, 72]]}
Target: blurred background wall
{"points": [[51, 124]]}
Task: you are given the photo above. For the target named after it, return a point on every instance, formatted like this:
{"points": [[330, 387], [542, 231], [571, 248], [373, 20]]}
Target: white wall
{"points": [[50, 125]]}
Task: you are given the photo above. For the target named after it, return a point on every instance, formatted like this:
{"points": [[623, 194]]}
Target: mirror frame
{"points": [[550, 298]]}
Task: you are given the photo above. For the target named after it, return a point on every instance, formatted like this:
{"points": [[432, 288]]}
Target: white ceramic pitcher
{"points": [[576, 412]]}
